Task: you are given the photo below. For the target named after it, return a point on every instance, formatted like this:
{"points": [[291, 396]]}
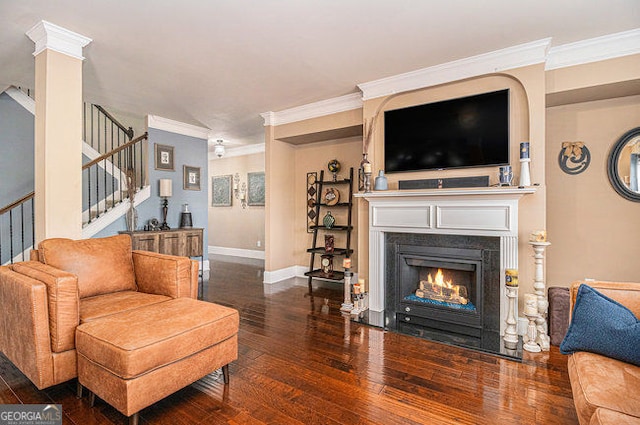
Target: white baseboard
{"points": [[236, 252], [205, 266], [286, 273]]}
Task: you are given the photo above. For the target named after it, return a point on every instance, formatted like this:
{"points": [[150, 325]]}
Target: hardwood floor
{"points": [[301, 362]]}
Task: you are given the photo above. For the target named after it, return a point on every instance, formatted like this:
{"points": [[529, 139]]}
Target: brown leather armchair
{"points": [[73, 282]]}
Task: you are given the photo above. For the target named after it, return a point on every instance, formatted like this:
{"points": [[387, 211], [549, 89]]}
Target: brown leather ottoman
{"points": [[135, 358]]}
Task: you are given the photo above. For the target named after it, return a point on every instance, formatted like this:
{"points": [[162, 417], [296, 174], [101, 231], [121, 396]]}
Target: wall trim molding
{"points": [[53, 37], [236, 252], [239, 151], [313, 110], [172, 126], [22, 99], [594, 49], [285, 273], [500, 60]]}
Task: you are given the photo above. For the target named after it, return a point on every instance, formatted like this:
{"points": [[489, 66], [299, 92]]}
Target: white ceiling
{"points": [[219, 64]]}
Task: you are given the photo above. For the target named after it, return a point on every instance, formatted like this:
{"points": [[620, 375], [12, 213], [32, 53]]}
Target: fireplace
{"points": [[447, 286], [480, 222]]}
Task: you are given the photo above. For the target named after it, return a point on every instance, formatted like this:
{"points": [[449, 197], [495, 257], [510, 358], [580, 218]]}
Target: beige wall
{"points": [[315, 157], [234, 226], [593, 230]]}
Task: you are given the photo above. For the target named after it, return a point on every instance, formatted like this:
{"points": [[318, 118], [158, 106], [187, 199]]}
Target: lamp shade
{"points": [[166, 187]]}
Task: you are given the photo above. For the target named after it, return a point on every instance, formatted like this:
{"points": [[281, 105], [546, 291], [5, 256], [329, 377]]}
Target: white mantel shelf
{"points": [[476, 191]]}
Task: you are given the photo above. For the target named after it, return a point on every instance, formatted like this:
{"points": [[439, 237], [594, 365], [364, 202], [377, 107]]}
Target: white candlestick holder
{"points": [[530, 338], [347, 305], [539, 289], [511, 331]]}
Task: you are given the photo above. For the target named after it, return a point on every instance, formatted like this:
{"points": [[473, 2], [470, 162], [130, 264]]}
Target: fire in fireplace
{"points": [[441, 290]]}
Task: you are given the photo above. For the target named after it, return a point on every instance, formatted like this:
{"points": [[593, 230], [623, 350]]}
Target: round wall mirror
{"points": [[624, 165]]}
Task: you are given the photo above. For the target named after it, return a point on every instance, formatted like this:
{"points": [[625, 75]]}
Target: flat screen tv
{"points": [[470, 131]]}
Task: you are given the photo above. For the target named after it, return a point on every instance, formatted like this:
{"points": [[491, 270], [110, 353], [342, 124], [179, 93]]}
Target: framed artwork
{"points": [[221, 191], [191, 178], [255, 188], [164, 157]]}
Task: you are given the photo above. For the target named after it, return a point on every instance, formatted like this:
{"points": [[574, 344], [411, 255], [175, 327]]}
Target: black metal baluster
{"points": [[33, 222], [89, 193], [97, 191], [113, 188], [22, 227], [11, 236]]}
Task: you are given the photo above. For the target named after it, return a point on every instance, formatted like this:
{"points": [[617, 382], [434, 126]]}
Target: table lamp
{"points": [[166, 186]]}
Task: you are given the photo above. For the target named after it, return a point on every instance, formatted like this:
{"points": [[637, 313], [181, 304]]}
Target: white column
{"points": [[58, 131]]}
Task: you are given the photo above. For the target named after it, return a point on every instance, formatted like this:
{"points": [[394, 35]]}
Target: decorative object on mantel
{"points": [[505, 175], [328, 220], [542, 337], [381, 182], [574, 157], [166, 189], [525, 160], [311, 200], [364, 175], [531, 312], [334, 166], [511, 331]]}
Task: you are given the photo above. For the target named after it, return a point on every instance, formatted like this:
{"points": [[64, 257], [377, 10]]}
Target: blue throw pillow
{"points": [[602, 326]]}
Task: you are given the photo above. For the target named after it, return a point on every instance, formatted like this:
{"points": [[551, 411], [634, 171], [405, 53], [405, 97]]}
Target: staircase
{"points": [[113, 172]]}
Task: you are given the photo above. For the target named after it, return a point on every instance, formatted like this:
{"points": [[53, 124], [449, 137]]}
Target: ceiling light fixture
{"points": [[219, 149]]}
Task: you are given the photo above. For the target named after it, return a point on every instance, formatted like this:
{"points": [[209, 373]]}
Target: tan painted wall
{"points": [[527, 122], [58, 131], [280, 207], [314, 157], [234, 226], [593, 230]]}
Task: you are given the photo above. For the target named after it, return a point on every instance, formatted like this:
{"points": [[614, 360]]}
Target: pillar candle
{"points": [[511, 277], [530, 304], [346, 263]]}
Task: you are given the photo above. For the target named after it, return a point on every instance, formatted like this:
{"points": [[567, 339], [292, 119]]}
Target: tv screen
{"points": [[465, 132]]}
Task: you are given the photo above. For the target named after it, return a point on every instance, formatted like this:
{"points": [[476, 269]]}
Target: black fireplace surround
{"points": [[475, 260]]}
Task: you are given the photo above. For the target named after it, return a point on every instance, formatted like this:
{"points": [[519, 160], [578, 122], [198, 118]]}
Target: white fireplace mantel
{"points": [[486, 211]]}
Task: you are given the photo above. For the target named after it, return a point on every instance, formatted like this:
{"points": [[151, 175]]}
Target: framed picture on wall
{"points": [[164, 157], [191, 178], [221, 191], [255, 189]]}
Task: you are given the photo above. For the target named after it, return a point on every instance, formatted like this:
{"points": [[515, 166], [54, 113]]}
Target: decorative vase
{"points": [[328, 220], [381, 182], [132, 219]]}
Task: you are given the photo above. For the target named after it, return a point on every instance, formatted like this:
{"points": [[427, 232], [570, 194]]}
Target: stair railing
{"points": [[105, 181], [17, 229], [102, 131]]}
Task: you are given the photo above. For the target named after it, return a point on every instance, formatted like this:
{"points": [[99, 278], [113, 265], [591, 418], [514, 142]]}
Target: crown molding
{"points": [[50, 36], [314, 110], [239, 151], [486, 63], [165, 124], [594, 49]]}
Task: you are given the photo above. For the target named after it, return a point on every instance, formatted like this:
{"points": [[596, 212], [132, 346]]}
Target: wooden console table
{"points": [[185, 242]]}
